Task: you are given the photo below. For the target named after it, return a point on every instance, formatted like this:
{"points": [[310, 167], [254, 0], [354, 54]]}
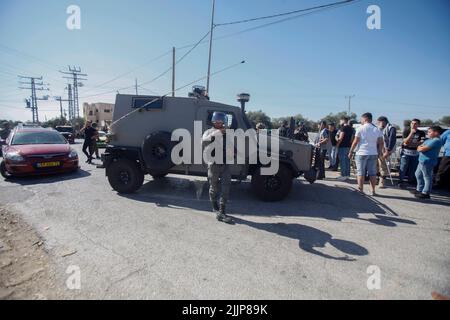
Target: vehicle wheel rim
{"points": [[124, 177], [159, 151], [273, 183]]}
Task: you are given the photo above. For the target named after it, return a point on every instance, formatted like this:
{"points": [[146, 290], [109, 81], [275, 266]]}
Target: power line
{"points": [[130, 71], [75, 76], [284, 13], [32, 102], [158, 76]]}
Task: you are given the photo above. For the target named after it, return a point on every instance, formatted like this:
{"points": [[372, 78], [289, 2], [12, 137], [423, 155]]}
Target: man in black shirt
{"points": [[89, 134], [333, 154], [413, 138], [344, 142]]}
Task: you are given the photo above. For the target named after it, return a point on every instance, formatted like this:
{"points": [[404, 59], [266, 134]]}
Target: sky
{"points": [[306, 65]]}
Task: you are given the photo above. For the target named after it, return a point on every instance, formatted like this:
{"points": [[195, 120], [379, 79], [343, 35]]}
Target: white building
{"points": [[100, 113]]}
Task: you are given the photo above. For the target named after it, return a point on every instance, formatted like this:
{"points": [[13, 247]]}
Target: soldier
{"points": [[284, 130], [218, 172]]}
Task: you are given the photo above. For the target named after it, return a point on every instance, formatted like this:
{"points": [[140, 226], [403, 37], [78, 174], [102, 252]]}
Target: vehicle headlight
{"points": [[14, 156], [73, 154]]}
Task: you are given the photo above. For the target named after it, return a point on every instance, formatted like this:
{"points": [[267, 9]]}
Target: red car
{"points": [[34, 151]]}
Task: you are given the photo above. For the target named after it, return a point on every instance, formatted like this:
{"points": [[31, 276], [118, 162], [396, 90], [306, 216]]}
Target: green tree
{"points": [[445, 121], [54, 122], [309, 124], [426, 122], [259, 116], [335, 117]]}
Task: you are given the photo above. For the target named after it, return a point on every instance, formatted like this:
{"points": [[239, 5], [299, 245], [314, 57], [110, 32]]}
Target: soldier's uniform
{"points": [[219, 174]]}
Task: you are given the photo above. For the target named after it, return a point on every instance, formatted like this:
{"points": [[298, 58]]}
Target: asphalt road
{"points": [[163, 242]]}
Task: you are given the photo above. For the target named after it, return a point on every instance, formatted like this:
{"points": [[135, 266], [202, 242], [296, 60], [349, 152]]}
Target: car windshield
{"points": [[49, 137], [64, 129]]}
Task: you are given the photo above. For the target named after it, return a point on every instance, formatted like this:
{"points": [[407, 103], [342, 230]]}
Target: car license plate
{"points": [[48, 164]]}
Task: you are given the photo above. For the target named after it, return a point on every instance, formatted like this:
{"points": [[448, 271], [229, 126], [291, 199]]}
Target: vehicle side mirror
{"points": [[2, 142]]}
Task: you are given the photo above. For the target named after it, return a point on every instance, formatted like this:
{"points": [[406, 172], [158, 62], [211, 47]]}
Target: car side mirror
{"points": [[2, 142]]}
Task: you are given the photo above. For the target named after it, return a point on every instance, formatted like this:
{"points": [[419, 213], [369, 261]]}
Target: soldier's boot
{"points": [[221, 216], [214, 204]]}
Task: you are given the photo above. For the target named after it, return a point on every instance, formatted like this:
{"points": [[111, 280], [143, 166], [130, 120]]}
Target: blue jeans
{"points": [[366, 164], [408, 166], [424, 176], [344, 161], [333, 156]]}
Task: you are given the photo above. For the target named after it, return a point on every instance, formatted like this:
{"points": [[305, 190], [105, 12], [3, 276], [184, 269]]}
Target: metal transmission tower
{"points": [[75, 76], [33, 86], [61, 110], [70, 100]]}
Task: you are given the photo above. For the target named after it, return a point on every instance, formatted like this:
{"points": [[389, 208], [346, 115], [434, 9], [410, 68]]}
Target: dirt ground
{"points": [[24, 265]]}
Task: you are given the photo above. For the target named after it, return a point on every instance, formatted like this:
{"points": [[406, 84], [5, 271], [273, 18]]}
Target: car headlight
{"points": [[14, 156], [73, 154]]}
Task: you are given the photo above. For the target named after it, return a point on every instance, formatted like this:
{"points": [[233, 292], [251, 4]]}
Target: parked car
{"points": [[102, 139], [34, 151], [67, 132]]}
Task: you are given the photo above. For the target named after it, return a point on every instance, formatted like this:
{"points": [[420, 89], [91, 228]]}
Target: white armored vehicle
{"points": [[140, 143]]}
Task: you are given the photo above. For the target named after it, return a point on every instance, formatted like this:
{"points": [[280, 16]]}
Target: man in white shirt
{"points": [[369, 140]]}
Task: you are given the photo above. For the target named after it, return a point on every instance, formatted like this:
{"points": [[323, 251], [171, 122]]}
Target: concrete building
{"points": [[100, 113]]}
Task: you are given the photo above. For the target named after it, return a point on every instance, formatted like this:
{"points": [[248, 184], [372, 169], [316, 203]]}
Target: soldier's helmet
{"points": [[260, 126], [219, 117]]}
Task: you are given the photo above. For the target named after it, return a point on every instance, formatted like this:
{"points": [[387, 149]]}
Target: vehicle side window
{"points": [[156, 103], [232, 122]]}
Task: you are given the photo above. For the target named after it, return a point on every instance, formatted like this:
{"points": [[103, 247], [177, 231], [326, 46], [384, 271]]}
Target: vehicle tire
{"points": [[5, 174], [272, 188], [156, 151], [125, 176]]}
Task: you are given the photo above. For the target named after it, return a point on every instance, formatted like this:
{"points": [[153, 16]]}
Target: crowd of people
{"points": [[370, 147]]}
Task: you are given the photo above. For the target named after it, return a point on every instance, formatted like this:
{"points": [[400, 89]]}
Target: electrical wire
{"points": [[284, 13]]}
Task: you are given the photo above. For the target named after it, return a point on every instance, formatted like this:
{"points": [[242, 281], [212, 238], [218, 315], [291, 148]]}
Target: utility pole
{"points": [[70, 100], [33, 86], [60, 99], [173, 71], [75, 76], [210, 46], [349, 103], [136, 85]]}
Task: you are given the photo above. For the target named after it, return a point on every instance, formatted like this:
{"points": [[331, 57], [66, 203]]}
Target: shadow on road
{"points": [[318, 200], [50, 178], [310, 238]]}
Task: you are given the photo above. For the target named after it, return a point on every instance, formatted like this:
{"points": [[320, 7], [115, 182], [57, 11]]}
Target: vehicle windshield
{"points": [[64, 129], [50, 137]]}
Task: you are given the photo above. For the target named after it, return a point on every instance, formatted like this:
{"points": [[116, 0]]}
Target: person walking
{"points": [[409, 156], [218, 170], [428, 158], [89, 135], [443, 173], [333, 153], [93, 149], [343, 144], [390, 140], [369, 140], [321, 144]]}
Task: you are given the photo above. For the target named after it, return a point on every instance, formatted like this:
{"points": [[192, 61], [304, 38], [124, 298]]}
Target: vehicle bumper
{"points": [[28, 169]]}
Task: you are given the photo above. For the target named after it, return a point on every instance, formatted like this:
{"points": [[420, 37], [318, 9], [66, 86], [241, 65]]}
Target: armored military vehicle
{"points": [[140, 143]]}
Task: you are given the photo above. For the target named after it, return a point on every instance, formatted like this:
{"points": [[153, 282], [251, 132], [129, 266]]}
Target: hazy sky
{"points": [[306, 65]]}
